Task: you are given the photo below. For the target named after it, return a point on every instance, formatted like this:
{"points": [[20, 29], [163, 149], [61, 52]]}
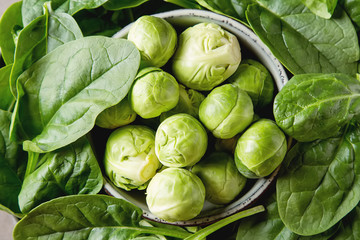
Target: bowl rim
{"points": [[263, 53]]}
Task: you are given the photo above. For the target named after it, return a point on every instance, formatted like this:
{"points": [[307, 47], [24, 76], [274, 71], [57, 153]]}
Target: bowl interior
{"points": [[251, 47]]}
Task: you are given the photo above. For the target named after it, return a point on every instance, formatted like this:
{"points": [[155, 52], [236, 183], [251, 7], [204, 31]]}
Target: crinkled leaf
{"points": [[60, 96], [317, 106], [66, 171], [320, 184], [301, 40], [10, 20]]}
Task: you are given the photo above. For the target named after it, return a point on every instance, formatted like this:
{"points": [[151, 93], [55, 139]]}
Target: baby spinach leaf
{"points": [[10, 20], [185, 3], [7, 99], [60, 96], [33, 9], [66, 171], [233, 8], [350, 227], [118, 5], [322, 8], [87, 217], [317, 106], [321, 183], [47, 32], [268, 225], [304, 42], [11, 167], [352, 7]]}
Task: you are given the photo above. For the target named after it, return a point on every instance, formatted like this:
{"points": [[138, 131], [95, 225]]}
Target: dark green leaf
{"points": [[322, 8], [350, 227], [67, 171], [321, 183], [88, 217], [47, 32], [304, 42], [352, 7], [317, 106], [122, 4], [185, 3], [6, 99], [60, 96], [10, 20]]}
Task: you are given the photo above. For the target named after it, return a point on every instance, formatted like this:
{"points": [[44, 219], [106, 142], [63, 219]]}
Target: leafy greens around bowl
{"points": [[53, 85]]}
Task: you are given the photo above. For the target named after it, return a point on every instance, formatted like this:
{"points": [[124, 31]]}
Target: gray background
{"points": [[7, 222]]}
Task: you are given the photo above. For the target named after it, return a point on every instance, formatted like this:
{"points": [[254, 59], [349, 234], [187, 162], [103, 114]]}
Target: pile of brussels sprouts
{"points": [[192, 96]]}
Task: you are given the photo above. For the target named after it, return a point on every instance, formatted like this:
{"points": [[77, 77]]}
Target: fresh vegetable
{"points": [[155, 38], [226, 111], [180, 141], [206, 56], [221, 179], [154, 92], [175, 194], [130, 160], [260, 149]]}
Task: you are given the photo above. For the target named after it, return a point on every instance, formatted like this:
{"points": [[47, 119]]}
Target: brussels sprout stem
{"points": [[203, 233]]}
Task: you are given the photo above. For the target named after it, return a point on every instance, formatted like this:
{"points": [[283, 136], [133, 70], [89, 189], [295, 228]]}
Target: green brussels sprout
{"points": [[180, 141], [116, 116], [206, 56], [175, 194], [130, 160], [252, 77], [153, 92], [189, 102], [260, 149], [221, 179], [226, 111], [155, 38]]}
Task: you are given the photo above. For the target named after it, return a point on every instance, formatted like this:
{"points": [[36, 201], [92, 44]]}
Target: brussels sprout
{"points": [[130, 160], [189, 102], [180, 141], [153, 92], [221, 179], [206, 56], [252, 77], [116, 116], [155, 38], [175, 194], [226, 111], [260, 149]]}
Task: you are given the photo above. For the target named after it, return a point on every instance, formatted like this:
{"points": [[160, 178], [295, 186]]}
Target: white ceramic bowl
{"points": [[250, 43]]}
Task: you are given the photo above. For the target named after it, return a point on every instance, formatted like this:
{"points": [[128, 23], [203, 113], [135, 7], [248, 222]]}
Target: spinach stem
{"points": [[32, 162], [203, 233]]}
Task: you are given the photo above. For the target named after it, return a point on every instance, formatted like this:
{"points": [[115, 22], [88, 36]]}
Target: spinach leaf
{"points": [[316, 106], [320, 183], [268, 225], [322, 8], [10, 20], [32, 9], [118, 5], [350, 227], [67, 171], [352, 7], [301, 40], [47, 32], [233, 8], [11, 167], [7, 99], [87, 217], [185, 3], [60, 96]]}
